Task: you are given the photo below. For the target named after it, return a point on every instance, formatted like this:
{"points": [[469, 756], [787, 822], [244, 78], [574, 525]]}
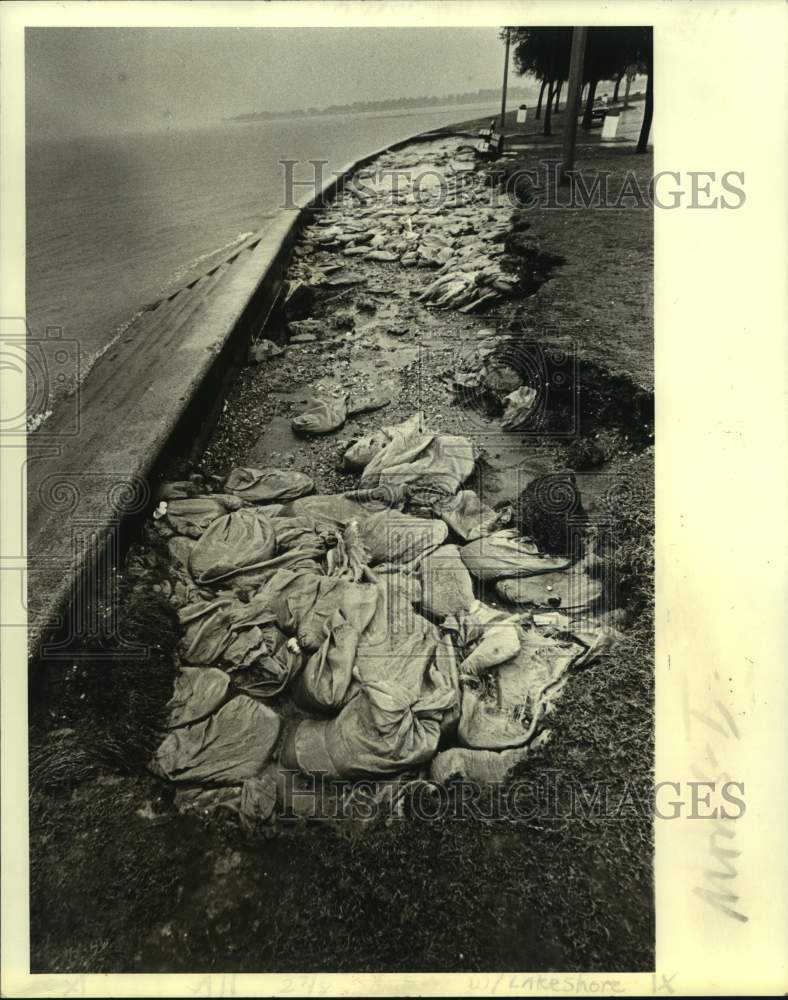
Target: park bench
{"points": [[490, 142]]}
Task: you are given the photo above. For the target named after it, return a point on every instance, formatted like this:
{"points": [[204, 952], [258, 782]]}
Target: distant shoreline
{"points": [[383, 110]]}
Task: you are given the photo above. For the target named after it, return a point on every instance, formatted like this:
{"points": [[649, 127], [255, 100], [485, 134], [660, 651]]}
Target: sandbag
{"points": [[401, 646], [495, 639], [356, 601], [332, 510], [233, 744], [485, 767], [349, 558], [393, 537], [191, 517], [323, 684], [572, 590], [206, 630], [228, 500], [446, 586], [236, 543], [321, 416], [467, 516], [502, 554], [184, 589], [179, 489], [233, 633], [286, 597], [381, 730], [507, 708], [258, 801], [273, 666], [244, 648], [331, 626], [298, 533], [198, 692], [268, 485], [405, 454], [364, 449], [368, 404]]}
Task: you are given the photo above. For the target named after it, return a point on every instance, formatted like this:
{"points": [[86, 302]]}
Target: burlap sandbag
{"points": [[393, 537], [199, 691], [507, 708], [381, 730], [446, 585], [330, 630], [191, 517], [571, 590], [407, 454], [467, 516], [321, 416], [235, 743], [268, 485], [236, 543], [503, 554]]}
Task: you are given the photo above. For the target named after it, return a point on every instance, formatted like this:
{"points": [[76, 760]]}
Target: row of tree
{"points": [[611, 54], [489, 95]]}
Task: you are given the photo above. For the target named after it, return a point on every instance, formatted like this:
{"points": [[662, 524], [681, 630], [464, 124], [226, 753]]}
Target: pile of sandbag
{"points": [[439, 216], [344, 635]]}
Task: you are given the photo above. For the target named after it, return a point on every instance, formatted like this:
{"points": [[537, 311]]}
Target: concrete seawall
{"points": [[90, 465]]}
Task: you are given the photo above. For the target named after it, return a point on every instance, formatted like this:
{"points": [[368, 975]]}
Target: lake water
{"points": [[113, 222]]}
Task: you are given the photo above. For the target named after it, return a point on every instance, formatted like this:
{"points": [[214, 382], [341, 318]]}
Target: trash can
{"points": [[610, 125], [522, 113]]}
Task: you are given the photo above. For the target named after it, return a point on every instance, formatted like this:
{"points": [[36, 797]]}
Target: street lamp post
{"points": [[573, 100], [505, 78]]}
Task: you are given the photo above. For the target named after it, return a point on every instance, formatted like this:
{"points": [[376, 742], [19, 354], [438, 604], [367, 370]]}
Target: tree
{"points": [[539, 102], [608, 53], [543, 52], [648, 111], [619, 78]]}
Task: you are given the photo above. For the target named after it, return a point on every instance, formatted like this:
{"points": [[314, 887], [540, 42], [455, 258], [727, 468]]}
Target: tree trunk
{"points": [[619, 78], [558, 96], [630, 78], [648, 112], [548, 109], [539, 102], [589, 105]]}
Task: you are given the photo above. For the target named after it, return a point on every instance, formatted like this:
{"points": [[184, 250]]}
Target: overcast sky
{"points": [[88, 80]]}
